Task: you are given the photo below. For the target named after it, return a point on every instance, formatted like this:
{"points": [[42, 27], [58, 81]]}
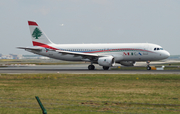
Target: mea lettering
{"points": [[131, 53]]}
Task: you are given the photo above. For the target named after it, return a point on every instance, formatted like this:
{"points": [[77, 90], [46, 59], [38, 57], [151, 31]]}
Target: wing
{"points": [[83, 55]]}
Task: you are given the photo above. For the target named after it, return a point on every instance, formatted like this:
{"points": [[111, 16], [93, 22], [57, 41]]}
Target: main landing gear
{"points": [[148, 66], [91, 67], [105, 68]]}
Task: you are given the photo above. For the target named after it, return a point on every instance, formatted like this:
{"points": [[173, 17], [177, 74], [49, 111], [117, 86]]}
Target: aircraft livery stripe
{"points": [[32, 23], [94, 51], [43, 45], [123, 49]]}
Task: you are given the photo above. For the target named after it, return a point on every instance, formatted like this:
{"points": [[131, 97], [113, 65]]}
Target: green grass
{"points": [[37, 61], [172, 64], [90, 93], [63, 63]]}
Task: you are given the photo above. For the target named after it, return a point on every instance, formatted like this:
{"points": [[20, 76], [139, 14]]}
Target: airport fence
{"points": [[86, 106]]}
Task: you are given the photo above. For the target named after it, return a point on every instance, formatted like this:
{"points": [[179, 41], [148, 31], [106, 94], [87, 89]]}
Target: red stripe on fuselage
{"points": [[124, 49], [43, 45], [32, 23]]}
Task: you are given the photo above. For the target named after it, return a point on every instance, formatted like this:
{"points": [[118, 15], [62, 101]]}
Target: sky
{"points": [[91, 21]]}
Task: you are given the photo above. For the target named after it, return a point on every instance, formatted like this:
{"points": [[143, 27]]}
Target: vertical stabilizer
{"points": [[39, 38]]}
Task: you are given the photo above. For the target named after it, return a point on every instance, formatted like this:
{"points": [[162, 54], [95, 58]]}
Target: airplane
{"points": [[106, 55]]}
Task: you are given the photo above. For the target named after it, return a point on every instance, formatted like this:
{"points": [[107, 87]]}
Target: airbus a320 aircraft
{"points": [[106, 55]]}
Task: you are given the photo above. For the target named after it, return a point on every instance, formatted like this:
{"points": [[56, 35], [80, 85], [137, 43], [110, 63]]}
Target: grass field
{"points": [[37, 61], [90, 93]]}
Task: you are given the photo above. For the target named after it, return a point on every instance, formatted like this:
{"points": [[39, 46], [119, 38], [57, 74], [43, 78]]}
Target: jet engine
{"points": [[127, 63], [106, 61]]}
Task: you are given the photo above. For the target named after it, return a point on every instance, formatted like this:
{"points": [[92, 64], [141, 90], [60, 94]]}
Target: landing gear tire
{"points": [[91, 67], [148, 68], [105, 68]]}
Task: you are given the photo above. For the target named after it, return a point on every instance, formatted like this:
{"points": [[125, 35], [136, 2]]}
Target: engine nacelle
{"points": [[127, 63], [106, 61]]}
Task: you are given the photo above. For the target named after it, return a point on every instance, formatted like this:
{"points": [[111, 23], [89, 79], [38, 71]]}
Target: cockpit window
{"points": [[158, 49]]}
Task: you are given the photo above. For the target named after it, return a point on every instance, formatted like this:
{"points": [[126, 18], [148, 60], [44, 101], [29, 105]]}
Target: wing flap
{"points": [[77, 53], [83, 55]]}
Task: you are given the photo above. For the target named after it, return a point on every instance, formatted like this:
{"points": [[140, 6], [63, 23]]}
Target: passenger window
{"points": [[154, 49]]}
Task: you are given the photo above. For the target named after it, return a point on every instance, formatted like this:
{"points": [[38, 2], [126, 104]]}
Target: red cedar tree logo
{"points": [[37, 33]]}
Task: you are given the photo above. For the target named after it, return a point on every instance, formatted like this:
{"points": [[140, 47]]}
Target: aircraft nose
{"points": [[166, 54]]}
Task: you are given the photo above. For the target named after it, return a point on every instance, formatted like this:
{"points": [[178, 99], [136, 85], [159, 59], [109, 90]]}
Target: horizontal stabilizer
{"points": [[31, 48]]}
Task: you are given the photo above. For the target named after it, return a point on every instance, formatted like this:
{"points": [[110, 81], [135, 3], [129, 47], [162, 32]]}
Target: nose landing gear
{"points": [[148, 65]]}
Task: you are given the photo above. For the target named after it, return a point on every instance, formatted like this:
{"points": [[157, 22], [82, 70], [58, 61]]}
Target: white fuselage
{"points": [[120, 51], [106, 55]]}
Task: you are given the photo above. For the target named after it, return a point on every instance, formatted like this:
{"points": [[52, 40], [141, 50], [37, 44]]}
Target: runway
{"points": [[76, 69]]}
